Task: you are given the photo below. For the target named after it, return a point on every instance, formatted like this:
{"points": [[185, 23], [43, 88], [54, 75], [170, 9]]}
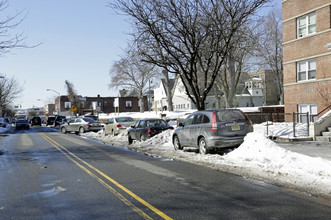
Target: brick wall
{"points": [[306, 48]]}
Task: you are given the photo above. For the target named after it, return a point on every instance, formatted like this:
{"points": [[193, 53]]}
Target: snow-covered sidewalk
{"points": [[258, 158]]}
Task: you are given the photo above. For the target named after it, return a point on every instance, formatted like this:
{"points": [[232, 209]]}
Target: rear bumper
{"points": [[220, 142], [95, 129]]}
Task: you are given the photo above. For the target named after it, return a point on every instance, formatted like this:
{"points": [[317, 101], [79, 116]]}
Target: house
{"points": [[245, 97], [306, 56], [270, 91], [180, 99], [160, 95], [127, 101]]}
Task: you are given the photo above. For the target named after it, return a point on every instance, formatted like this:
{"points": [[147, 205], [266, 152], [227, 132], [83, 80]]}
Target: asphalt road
{"points": [[45, 174]]}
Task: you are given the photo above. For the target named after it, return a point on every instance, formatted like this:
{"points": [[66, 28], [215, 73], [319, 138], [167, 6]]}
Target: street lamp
{"points": [[59, 106], [53, 91]]}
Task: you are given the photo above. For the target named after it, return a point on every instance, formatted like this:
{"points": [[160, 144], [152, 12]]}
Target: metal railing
{"points": [[270, 118], [313, 117]]}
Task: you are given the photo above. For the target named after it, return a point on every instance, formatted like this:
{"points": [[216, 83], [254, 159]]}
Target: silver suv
{"points": [[211, 129]]}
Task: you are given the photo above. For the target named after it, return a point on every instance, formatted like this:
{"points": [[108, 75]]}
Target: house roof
{"points": [[128, 93], [172, 83]]}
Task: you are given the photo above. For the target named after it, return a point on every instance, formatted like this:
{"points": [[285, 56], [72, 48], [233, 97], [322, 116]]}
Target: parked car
{"points": [[118, 124], [80, 125], [212, 129], [35, 121], [50, 120], [147, 128], [8, 120], [22, 124], [3, 122], [58, 120]]}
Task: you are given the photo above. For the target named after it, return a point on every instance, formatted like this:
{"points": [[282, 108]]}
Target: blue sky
{"points": [[80, 40]]}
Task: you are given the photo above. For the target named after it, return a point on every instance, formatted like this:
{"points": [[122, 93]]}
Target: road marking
{"points": [[75, 159], [26, 141]]}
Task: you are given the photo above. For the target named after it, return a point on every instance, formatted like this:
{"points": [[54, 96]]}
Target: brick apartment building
{"points": [[100, 104], [307, 55]]}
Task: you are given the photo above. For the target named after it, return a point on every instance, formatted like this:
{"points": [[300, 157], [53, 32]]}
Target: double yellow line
{"points": [[88, 168]]}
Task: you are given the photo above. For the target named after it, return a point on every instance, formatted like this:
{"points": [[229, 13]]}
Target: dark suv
{"points": [[50, 120], [212, 129], [58, 120], [35, 121]]}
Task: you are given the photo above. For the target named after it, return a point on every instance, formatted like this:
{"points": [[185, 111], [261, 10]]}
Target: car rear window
{"points": [[89, 120], [230, 116], [124, 119], [156, 123]]}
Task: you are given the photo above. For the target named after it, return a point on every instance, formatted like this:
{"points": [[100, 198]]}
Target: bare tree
{"points": [[236, 63], [188, 38], [7, 23], [10, 89], [270, 48], [73, 97], [131, 72]]}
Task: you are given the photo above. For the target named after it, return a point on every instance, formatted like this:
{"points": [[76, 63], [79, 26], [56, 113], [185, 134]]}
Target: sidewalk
{"points": [[310, 148]]}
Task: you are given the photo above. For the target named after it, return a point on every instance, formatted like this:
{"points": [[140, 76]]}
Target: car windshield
{"points": [[156, 123], [124, 119], [230, 116]]}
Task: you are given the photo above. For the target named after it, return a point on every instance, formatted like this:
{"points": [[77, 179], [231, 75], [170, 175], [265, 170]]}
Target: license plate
{"points": [[235, 127]]}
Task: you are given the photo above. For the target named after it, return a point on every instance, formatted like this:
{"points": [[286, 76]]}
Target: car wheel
{"points": [[203, 146], [81, 130], [63, 130], [177, 145], [143, 138], [130, 139]]}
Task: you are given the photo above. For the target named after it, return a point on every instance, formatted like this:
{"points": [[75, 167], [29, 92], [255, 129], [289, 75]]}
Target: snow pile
{"points": [[6, 129], [266, 159]]}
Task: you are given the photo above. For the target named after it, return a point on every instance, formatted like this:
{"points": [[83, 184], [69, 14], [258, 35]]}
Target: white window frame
{"points": [[309, 67], [128, 104], [304, 108], [308, 28], [67, 104]]}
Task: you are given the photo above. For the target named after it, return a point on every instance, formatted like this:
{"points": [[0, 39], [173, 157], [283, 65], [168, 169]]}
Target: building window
{"points": [[303, 109], [67, 105], [128, 104], [306, 25], [306, 70]]}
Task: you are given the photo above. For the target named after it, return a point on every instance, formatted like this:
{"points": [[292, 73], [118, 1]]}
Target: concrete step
{"points": [[328, 134], [323, 138]]}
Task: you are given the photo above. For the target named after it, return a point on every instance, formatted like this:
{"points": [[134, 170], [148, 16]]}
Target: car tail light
{"points": [[89, 124], [213, 123], [118, 126], [249, 120], [150, 131]]}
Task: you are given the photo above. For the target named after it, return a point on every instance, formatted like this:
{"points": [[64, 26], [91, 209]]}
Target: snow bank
{"points": [[266, 159]]}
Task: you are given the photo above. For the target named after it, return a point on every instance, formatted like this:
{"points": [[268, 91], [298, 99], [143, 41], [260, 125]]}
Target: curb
{"points": [[291, 139]]}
